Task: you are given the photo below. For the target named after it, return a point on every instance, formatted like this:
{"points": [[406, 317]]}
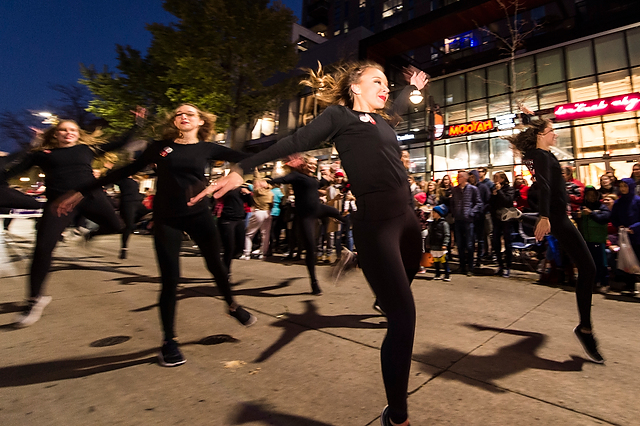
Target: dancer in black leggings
{"points": [[180, 158], [231, 223], [308, 210], [385, 228], [65, 157], [534, 143]]}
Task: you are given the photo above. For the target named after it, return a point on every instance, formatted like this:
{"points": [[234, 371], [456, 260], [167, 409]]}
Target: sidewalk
{"points": [[488, 351]]}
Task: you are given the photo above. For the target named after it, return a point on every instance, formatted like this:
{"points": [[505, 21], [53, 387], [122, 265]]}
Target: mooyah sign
{"points": [[471, 128], [596, 107]]}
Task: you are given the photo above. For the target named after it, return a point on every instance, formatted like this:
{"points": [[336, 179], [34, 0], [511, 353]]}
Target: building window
{"points": [[633, 42], [610, 52], [553, 95], [391, 7], [583, 89], [580, 60], [455, 89], [265, 126], [550, 67], [459, 42], [498, 79], [476, 83], [525, 73]]}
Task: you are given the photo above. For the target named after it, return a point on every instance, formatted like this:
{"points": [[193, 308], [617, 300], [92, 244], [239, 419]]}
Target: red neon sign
{"points": [[596, 107], [469, 128]]}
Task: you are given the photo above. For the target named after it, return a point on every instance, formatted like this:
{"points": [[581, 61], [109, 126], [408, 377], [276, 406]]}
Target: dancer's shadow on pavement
{"points": [[251, 412], [97, 263], [296, 324], [212, 291], [507, 361], [73, 368], [10, 307]]}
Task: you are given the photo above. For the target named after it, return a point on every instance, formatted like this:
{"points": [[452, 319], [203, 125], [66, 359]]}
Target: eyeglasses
{"points": [[188, 114], [546, 133]]}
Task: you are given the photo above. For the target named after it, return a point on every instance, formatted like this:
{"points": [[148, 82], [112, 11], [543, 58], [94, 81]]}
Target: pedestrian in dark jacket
{"points": [[438, 241], [480, 225], [592, 220], [626, 212], [466, 206], [501, 198]]}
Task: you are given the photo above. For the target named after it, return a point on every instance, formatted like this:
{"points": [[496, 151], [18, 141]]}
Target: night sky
{"points": [[43, 42]]}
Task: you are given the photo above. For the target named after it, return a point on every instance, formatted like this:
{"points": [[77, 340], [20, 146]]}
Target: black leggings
{"points": [[574, 245], [14, 199], [168, 240], [129, 212], [232, 234], [95, 207], [307, 227], [389, 252]]}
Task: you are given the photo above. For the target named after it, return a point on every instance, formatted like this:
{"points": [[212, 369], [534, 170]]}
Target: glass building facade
{"points": [[595, 67]]}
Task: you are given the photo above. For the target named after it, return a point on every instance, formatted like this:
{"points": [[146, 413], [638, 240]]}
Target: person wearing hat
{"points": [[438, 240]]}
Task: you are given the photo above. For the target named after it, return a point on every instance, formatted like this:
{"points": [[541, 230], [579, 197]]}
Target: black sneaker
{"points": [[384, 417], [32, 311], [123, 253], [243, 316], [170, 355], [315, 288], [589, 345]]}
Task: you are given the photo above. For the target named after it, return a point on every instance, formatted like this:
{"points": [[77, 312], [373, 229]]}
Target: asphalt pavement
{"points": [[488, 350]]}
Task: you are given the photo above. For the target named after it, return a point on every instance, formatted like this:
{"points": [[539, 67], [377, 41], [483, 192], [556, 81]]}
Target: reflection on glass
{"points": [[610, 52], [476, 83], [614, 83], [583, 89], [501, 153], [479, 153], [549, 66], [580, 60], [458, 157]]}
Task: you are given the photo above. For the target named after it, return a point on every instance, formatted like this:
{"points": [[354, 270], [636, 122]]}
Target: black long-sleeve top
{"points": [[180, 169], [367, 145], [66, 168], [502, 199], [305, 188], [233, 204], [549, 182]]}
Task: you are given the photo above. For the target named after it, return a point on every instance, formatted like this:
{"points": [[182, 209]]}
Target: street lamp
{"points": [[48, 117], [416, 97]]}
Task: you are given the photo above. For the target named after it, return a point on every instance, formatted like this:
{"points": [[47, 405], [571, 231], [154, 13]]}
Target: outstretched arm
{"points": [[322, 128]]}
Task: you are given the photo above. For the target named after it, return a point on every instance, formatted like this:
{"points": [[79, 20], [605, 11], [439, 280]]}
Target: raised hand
{"points": [[416, 77]]}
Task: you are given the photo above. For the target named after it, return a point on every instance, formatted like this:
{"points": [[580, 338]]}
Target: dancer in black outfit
{"points": [[534, 144], [180, 158], [131, 209], [308, 210], [385, 228], [231, 223], [65, 157]]}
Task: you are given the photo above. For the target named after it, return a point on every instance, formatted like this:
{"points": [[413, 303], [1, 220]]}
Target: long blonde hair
{"points": [[335, 88], [49, 140], [205, 132]]}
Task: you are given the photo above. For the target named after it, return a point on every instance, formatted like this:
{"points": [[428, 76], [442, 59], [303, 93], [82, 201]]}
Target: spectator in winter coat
{"points": [[480, 221], [575, 189], [592, 220], [466, 206], [626, 212], [521, 193], [635, 175], [501, 199], [439, 239]]}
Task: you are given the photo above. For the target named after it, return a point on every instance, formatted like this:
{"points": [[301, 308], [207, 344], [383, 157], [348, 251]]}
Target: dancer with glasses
{"points": [[180, 157]]}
